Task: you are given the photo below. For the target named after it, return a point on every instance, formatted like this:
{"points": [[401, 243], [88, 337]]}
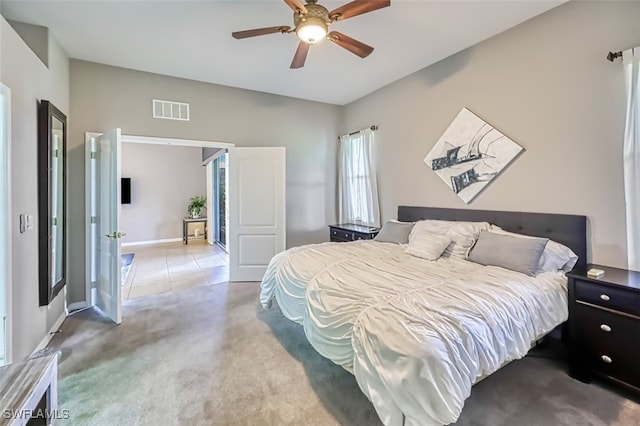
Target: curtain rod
{"points": [[374, 128], [611, 56]]}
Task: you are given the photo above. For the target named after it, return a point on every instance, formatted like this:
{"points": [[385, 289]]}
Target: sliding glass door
{"points": [[220, 200]]}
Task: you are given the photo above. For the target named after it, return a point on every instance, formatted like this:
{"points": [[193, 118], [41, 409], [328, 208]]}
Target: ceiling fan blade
{"points": [[301, 55], [357, 7], [259, 32], [296, 5], [352, 45]]}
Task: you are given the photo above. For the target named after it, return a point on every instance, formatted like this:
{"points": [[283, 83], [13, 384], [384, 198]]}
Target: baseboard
{"points": [[151, 242], [56, 326], [76, 306]]}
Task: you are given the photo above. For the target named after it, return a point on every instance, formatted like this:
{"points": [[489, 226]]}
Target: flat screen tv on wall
{"points": [[125, 190]]}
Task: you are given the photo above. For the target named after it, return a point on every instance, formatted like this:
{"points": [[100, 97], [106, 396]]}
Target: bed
{"points": [[418, 334]]}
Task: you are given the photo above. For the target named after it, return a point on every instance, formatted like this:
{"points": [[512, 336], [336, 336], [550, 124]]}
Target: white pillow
{"points": [[555, 257], [429, 227], [428, 246], [463, 236]]}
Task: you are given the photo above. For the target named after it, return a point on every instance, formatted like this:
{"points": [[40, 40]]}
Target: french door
{"points": [[103, 198]]}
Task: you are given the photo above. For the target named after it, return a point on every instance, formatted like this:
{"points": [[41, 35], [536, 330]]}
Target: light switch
{"points": [[29, 222]]}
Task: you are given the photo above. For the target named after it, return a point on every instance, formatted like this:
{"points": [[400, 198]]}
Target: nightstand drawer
{"points": [[608, 297], [606, 331], [361, 236], [340, 234], [609, 343]]}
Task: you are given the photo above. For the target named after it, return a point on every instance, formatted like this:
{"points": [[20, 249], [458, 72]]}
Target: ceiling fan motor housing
{"points": [[316, 15]]}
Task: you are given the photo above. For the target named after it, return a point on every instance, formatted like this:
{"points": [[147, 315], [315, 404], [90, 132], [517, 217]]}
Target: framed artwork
{"points": [[470, 154]]}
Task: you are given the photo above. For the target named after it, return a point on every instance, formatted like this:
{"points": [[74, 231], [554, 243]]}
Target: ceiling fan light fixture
{"points": [[312, 30]]}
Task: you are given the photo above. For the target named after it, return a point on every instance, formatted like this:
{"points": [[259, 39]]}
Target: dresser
{"points": [[351, 232], [604, 325]]}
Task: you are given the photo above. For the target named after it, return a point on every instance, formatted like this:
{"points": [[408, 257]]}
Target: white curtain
{"points": [[631, 62], [357, 187]]}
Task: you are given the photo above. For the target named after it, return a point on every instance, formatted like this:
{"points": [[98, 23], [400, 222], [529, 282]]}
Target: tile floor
{"points": [[167, 267]]}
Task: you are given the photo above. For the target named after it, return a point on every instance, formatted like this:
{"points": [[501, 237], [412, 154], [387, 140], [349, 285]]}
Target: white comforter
{"points": [[416, 334]]}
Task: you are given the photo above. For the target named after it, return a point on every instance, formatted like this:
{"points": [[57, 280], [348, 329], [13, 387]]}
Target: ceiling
{"points": [[192, 39]]}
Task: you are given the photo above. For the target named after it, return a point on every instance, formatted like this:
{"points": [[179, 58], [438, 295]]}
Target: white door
{"points": [[105, 221], [5, 226], [256, 200]]}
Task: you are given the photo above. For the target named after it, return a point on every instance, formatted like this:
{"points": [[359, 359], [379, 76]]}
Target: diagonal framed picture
{"points": [[470, 154]]}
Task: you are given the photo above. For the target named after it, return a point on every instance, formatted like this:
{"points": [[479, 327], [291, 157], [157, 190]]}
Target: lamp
{"points": [[312, 30]]}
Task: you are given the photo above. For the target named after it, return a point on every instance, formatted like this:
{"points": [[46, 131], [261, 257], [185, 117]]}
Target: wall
{"points": [[36, 37], [546, 84], [163, 179], [209, 152], [30, 81], [104, 97]]}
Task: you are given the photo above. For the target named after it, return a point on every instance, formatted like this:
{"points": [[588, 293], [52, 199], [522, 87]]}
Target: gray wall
{"points": [[104, 97], [209, 152], [546, 84], [163, 179], [30, 81], [36, 37]]}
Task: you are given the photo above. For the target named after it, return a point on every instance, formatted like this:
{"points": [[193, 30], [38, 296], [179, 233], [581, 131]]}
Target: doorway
{"points": [[254, 212], [103, 231], [5, 225]]}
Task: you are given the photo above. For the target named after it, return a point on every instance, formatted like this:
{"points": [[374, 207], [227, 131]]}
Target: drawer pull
{"points": [[605, 327], [606, 359], [605, 297]]}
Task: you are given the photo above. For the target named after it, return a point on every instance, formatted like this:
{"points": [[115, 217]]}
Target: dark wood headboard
{"points": [[565, 229]]}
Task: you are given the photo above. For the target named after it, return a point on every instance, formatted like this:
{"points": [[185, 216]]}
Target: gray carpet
{"points": [[211, 356]]}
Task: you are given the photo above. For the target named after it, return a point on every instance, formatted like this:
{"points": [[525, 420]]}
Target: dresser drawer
{"points": [[608, 297], [609, 343], [362, 236], [341, 235]]}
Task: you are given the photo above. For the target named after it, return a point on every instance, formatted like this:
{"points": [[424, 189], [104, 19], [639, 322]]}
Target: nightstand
{"points": [[604, 325], [351, 232]]}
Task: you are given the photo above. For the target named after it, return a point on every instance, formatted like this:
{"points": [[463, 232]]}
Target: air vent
{"points": [[170, 110]]}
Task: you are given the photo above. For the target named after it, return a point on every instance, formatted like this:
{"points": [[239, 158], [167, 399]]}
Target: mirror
{"points": [[52, 241]]}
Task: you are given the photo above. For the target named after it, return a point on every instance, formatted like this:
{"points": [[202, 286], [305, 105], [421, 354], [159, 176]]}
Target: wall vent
{"points": [[170, 110]]}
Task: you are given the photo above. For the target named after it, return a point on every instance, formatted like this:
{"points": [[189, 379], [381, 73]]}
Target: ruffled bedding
{"points": [[416, 334]]}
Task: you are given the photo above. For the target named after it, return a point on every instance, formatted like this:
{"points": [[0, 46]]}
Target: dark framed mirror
{"points": [[52, 205]]}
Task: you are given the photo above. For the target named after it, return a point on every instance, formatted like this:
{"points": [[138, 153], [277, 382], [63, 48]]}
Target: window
{"points": [[631, 61], [358, 191]]}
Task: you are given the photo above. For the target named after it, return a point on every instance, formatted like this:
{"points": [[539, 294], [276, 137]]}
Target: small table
{"points": [[185, 228], [23, 385]]}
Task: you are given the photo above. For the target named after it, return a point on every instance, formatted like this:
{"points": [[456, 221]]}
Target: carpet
{"points": [[212, 356], [126, 261]]}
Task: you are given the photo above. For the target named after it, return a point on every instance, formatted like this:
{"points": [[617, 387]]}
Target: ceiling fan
{"points": [[311, 25]]}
